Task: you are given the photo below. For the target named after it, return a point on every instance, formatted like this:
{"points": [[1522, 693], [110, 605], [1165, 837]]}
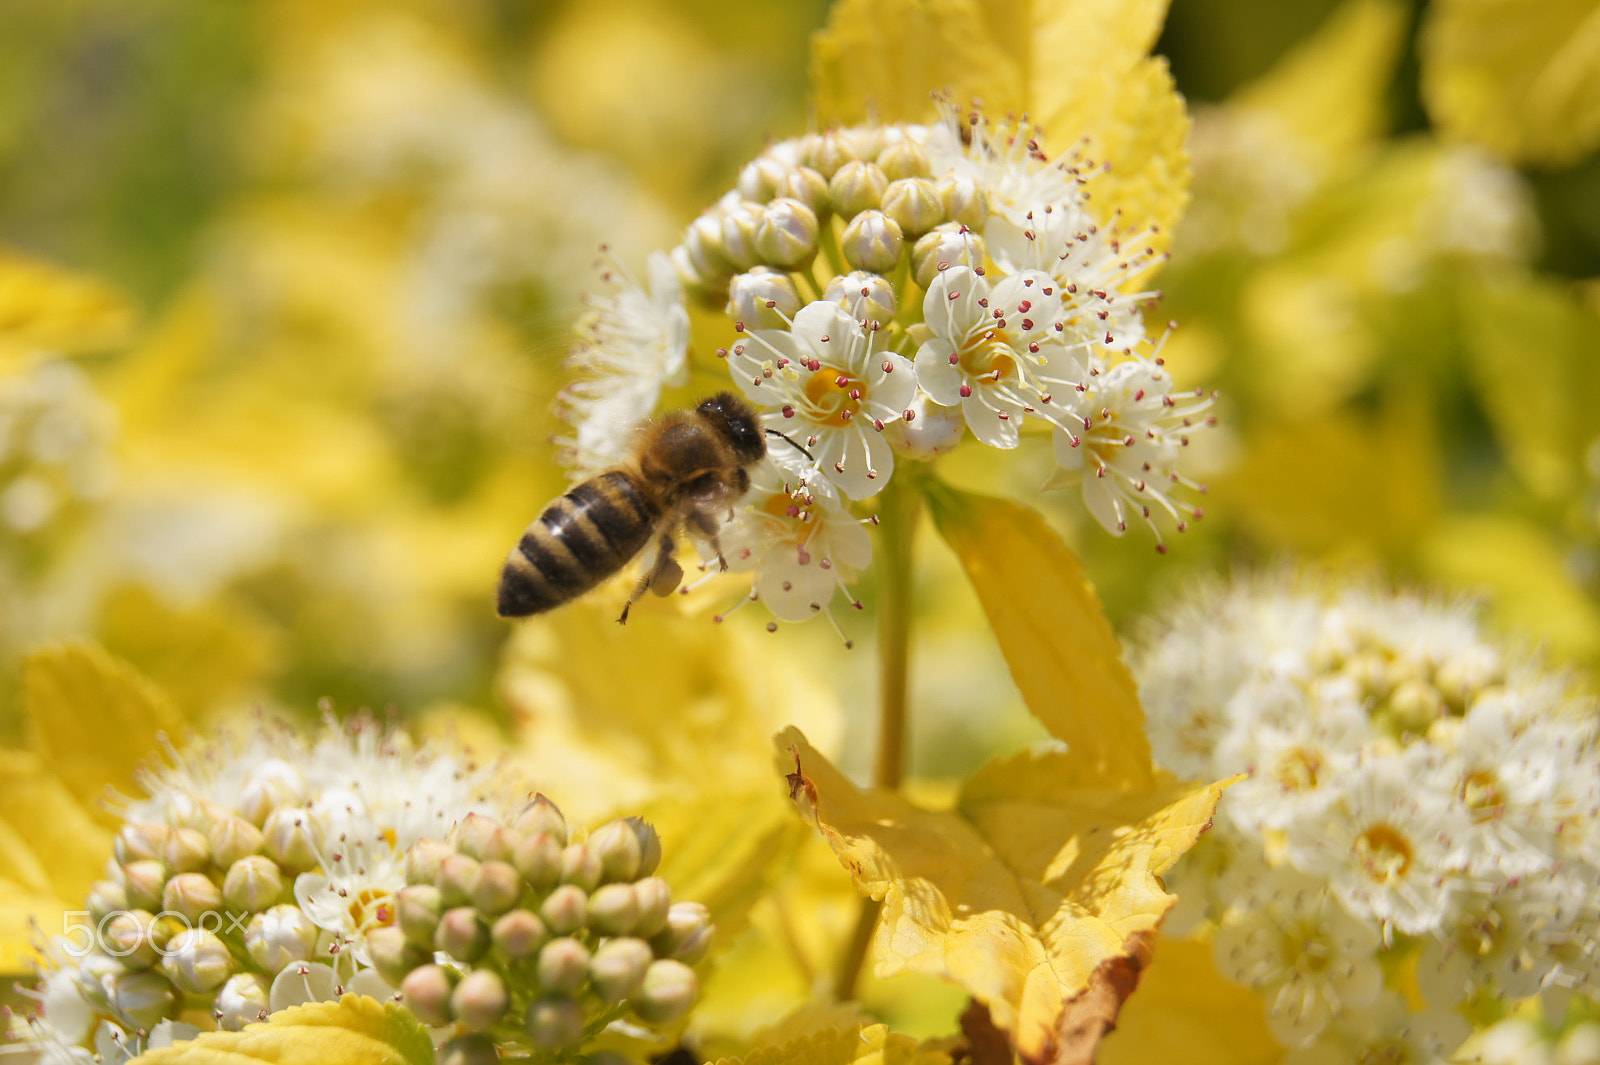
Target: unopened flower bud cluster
{"points": [[250, 879], [890, 289], [1421, 820], [517, 935]]}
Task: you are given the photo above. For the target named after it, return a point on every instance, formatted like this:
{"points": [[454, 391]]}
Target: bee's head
{"points": [[737, 422]]}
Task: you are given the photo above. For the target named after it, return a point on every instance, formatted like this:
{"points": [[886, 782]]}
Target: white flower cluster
{"points": [[55, 435], [890, 288], [1420, 801], [248, 881]]}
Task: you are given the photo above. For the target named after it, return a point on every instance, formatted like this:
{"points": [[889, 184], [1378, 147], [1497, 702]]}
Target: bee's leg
{"points": [[662, 577], [706, 527]]}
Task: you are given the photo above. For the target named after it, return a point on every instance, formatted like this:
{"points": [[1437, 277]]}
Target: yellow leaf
{"points": [[1523, 573], [1536, 332], [860, 71], [202, 656], [1330, 91], [43, 307], [1521, 78], [1044, 872], [1186, 1011], [1079, 68], [856, 1045], [93, 717], [1339, 484], [63, 847], [356, 1030], [666, 705], [724, 849], [1063, 654]]}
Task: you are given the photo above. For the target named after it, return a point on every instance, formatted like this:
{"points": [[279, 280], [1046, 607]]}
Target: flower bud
{"points": [[702, 245], [106, 897], [905, 159], [286, 839], [126, 937], [618, 967], [191, 895], [830, 152], [690, 278], [580, 866], [197, 961], [538, 859], [253, 884], [426, 993], [738, 219], [649, 846], [668, 991], [519, 934], [564, 910], [868, 297], [474, 1048], [273, 785], [496, 889], [965, 201], [914, 204], [232, 839], [164, 927], [654, 897], [563, 966], [856, 187], [760, 177], [786, 234], [482, 838], [554, 1022], [279, 937], [806, 186], [393, 955], [1413, 706], [423, 860], [872, 241], [457, 874], [932, 431], [616, 844], [613, 910], [537, 815], [143, 882], [761, 298], [145, 998], [140, 842], [684, 920], [462, 934], [186, 851], [942, 247], [244, 999], [480, 999], [418, 908]]}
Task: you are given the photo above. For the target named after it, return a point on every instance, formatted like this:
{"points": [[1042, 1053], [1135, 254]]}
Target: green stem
{"points": [[900, 508], [897, 516]]}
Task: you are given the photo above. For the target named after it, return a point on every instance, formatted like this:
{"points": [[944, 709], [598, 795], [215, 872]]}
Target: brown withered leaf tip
{"points": [[986, 1044], [799, 784], [1087, 1018]]}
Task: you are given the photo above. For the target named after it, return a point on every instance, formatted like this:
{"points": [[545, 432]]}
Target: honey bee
{"points": [[688, 466]]}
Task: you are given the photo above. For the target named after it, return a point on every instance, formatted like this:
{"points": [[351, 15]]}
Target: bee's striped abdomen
{"points": [[580, 540]]}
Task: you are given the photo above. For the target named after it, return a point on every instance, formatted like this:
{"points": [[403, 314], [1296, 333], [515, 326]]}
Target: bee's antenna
{"points": [[792, 444]]}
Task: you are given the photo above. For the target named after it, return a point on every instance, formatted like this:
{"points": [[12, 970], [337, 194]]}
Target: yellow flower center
{"points": [[372, 909], [834, 396], [1383, 853], [989, 356]]}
